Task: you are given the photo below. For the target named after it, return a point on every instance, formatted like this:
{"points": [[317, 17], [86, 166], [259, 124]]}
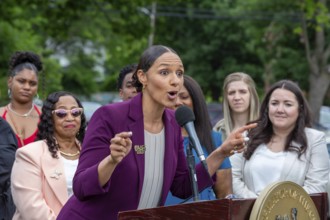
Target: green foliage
{"points": [[213, 37]]}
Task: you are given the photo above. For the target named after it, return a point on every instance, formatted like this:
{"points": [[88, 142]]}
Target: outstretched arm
{"points": [[235, 143]]}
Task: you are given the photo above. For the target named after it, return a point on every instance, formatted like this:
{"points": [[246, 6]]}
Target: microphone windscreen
{"points": [[184, 115]]}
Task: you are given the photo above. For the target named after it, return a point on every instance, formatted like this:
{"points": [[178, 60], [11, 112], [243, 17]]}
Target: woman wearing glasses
{"points": [[43, 171]]}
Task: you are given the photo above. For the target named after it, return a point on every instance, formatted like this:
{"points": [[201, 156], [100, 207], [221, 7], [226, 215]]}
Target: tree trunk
{"points": [[319, 84]]}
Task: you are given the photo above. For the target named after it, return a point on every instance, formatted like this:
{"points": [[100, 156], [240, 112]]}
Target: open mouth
{"points": [[172, 94]]}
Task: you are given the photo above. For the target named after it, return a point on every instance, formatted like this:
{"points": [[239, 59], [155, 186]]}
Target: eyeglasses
{"points": [[62, 113]]}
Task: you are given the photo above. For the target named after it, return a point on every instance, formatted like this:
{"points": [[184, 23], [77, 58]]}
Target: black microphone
{"points": [[185, 118]]}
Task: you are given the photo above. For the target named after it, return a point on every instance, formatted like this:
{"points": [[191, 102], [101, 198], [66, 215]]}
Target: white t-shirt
{"points": [[266, 167]]}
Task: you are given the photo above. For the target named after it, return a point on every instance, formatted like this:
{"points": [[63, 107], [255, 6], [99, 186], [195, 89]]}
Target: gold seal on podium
{"points": [[284, 201]]}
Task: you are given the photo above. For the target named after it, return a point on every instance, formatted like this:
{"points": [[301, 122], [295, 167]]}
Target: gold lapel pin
{"points": [[140, 149]]}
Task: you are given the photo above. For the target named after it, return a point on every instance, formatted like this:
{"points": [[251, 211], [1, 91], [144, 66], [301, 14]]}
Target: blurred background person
{"points": [[8, 146], [125, 82], [283, 146], [21, 113], [240, 103], [43, 171], [240, 106], [132, 155], [192, 96]]}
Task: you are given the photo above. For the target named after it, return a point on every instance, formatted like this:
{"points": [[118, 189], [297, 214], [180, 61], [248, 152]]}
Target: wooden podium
{"points": [[222, 209]]}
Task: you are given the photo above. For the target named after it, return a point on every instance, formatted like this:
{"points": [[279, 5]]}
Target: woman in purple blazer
{"points": [[132, 154]]}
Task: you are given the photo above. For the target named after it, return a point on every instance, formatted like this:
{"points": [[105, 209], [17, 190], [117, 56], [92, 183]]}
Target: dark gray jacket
{"points": [[8, 146]]}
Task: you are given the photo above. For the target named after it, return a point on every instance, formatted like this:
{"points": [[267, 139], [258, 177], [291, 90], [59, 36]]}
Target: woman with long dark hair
{"points": [[283, 147], [191, 95]]}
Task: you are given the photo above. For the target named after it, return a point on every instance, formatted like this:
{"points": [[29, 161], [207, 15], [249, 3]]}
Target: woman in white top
{"points": [[240, 106], [42, 174], [282, 147]]}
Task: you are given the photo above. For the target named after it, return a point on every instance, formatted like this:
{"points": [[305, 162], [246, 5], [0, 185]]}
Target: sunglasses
{"points": [[62, 113]]}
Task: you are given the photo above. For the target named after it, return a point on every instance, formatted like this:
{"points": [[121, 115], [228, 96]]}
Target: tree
{"points": [[283, 51], [210, 41], [315, 35]]}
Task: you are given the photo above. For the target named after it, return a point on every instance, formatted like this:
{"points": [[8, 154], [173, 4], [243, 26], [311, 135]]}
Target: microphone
{"points": [[185, 118]]}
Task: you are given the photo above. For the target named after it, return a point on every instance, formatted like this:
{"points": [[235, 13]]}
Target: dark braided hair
{"points": [[21, 60], [264, 130], [46, 125], [147, 59]]}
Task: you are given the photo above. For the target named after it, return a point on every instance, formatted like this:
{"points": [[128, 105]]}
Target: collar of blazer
{"points": [[53, 169]]}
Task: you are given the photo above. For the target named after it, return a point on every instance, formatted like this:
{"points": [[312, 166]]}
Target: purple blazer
{"points": [[123, 191]]}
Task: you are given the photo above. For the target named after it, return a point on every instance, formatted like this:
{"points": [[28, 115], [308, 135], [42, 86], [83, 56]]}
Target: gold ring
{"points": [[232, 152], [235, 148]]}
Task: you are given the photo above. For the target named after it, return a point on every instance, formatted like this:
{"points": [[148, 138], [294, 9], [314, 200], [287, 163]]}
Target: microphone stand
{"points": [[192, 172]]}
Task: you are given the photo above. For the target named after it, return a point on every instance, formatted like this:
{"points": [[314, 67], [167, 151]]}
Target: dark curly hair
{"points": [[264, 130], [24, 60], [46, 124], [123, 72], [147, 59]]}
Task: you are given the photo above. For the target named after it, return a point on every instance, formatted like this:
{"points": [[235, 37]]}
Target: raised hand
{"points": [[235, 143], [120, 146]]}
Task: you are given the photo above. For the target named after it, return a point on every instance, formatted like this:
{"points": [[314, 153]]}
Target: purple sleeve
{"points": [[95, 148]]}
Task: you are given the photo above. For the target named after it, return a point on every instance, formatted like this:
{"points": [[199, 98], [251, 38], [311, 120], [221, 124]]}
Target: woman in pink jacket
{"points": [[42, 174]]}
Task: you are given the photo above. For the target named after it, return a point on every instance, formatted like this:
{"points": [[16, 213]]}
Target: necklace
{"points": [[18, 114], [69, 154]]}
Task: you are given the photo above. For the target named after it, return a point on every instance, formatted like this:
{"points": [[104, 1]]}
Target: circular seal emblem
{"points": [[284, 201]]}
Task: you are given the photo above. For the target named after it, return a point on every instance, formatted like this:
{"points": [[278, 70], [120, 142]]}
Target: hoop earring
{"points": [[9, 93], [36, 96]]}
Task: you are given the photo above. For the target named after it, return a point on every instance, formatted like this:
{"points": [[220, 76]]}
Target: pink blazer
{"points": [[38, 183]]}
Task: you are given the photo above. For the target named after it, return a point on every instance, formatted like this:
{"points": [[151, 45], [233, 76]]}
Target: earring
{"points": [[36, 96], [9, 93]]}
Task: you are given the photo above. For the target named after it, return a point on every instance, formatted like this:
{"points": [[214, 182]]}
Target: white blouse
{"points": [[70, 167], [267, 166], [153, 169]]}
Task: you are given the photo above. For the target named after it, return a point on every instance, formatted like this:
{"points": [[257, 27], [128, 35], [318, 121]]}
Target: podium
{"points": [[222, 209]]}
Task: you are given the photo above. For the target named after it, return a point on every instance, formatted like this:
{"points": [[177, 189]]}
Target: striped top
{"points": [[154, 170]]}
